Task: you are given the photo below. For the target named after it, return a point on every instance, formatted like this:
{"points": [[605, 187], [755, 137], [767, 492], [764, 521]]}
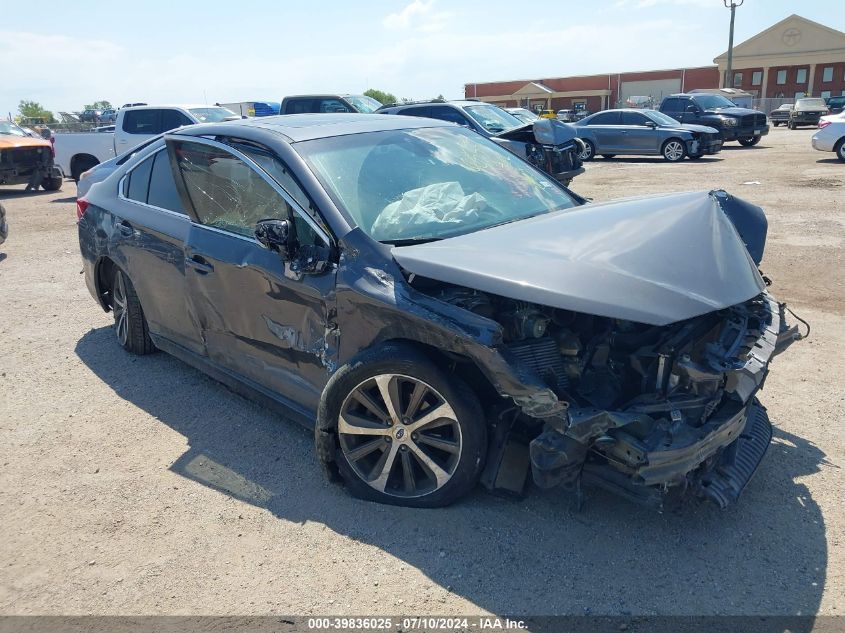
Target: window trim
{"points": [[122, 182], [297, 208]]}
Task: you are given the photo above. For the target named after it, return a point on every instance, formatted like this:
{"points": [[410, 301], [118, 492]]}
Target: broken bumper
{"points": [[565, 177]]}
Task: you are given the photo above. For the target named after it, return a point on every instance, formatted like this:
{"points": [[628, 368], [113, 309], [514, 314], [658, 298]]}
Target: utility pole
{"points": [[732, 5]]}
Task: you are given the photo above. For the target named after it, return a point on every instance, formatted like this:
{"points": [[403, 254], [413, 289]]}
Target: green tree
{"points": [[34, 110], [98, 105], [439, 98], [382, 97]]}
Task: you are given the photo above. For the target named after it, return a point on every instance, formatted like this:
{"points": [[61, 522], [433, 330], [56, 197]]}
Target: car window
{"points": [[171, 119], [673, 105], [142, 122], [605, 118], [417, 111], [333, 105], [633, 118], [228, 194], [139, 181], [445, 113], [163, 193]]}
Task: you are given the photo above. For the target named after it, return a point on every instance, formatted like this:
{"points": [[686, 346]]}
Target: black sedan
{"points": [[435, 306], [634, 132]]}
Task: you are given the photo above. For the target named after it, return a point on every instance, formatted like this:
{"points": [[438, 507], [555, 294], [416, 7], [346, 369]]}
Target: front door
{"points": [[639, 137], [256, 316]]}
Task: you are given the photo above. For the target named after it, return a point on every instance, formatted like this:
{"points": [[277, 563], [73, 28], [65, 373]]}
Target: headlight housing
{"points": [[729, 121]]}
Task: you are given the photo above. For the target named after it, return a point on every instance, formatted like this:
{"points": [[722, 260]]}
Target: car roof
{"points": [[184, 106], [306, 127]]}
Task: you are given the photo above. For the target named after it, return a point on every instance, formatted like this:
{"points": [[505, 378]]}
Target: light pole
{"points": [[732, 5]]}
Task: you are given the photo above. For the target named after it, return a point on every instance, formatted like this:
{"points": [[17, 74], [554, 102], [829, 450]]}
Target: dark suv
{"points": [[734, 123], [546, 143]]}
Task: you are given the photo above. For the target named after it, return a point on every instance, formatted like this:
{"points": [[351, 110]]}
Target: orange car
{"points": [[26, 160]]}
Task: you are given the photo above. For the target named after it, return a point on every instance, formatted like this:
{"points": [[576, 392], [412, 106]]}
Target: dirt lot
{"points": [[139, 486]]}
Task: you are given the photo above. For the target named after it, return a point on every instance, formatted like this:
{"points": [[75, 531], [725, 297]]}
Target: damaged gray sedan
{"points": [[446, 312]]}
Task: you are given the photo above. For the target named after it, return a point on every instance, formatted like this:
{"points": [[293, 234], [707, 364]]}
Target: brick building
{"points": [[794, 57]]}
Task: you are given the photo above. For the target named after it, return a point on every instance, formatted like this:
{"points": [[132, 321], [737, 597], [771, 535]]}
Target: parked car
{"points": [[547, 114], [831, 135], [807, 111], [567, 116], [79, 152], [108, 116], [90, 116], [523, 114], [300, 104], [631, 131], [101, 171], [430, 303], [546, 143], [734, 124], [836, 104], [780, 115], [27, 160]]}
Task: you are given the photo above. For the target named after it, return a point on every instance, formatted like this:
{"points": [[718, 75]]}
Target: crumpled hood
{"points": [[8, 141], [655, 260]]}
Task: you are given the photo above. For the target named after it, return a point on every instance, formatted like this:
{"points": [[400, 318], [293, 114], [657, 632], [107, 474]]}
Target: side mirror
{"points": [[274, 235], [692, 108], [650, 124]]}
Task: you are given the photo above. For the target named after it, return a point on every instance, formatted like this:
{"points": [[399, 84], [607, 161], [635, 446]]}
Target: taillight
{"points": [[81, 208], [823, 124]]}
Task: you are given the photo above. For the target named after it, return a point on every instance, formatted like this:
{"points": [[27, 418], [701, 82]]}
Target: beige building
{"points": [[794, 58]]}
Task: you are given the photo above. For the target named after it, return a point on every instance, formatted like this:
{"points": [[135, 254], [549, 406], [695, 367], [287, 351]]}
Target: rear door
{"points": [[605, 127], [151, 229], [258, 318]]}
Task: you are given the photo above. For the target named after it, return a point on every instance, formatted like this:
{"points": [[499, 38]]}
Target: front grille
{"points": [[23, 156], [753, 119], [542, 358]]}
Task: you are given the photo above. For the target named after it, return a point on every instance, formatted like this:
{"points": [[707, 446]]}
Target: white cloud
{"points": [[419, 15]]}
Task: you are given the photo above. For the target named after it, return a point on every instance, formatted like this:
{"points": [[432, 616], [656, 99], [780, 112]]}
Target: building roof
{"points": [[793, 34]]}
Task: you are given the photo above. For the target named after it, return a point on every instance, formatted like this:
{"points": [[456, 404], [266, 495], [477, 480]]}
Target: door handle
{"points": [[125, 228], [199, 264]]}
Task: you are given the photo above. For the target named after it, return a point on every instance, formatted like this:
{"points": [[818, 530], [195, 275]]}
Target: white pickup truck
{"points": [[78, 152]]}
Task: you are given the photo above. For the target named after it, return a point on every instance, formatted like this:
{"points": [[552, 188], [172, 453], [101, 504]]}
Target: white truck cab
{"points": [[78, 152]]}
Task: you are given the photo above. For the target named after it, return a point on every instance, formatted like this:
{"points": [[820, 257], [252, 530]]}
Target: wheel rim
{"points": [[400, 435], [587, 151], [673, 150], [121, 318]]}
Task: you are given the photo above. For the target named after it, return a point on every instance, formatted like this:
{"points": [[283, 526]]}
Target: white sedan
{"points": [[831, 135]]}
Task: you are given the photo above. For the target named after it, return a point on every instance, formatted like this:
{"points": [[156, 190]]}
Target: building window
{"points": [[825, 94], [801, 76], [781, 77], [756, 77], [799, 95], [737, 80], [827, 73]]}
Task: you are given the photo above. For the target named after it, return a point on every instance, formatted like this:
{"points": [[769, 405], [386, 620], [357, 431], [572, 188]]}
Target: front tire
{"points": [[406, 433], [589, 151], [52, 184], [674, 150], [130, 325], [749, 141], [840, 150]]}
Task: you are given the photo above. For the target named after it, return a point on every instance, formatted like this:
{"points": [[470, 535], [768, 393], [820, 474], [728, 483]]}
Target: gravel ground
{"points": [[139, 486]]}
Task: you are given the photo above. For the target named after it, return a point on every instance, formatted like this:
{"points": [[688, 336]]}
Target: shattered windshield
{"points": [[7, 127], [493, 118], [429, 183]]}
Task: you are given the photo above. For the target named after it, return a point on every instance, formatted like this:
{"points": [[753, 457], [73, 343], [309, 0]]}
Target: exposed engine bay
{"points": [[653, 411], [547, 144]]}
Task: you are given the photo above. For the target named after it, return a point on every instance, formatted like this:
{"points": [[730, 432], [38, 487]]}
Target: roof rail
{"points": [[416, 102]]}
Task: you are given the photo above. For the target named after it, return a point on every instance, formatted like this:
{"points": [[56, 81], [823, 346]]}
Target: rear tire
{"points": [[389, 452], [52, 184], [674, 150], [840, 149], [130, 325], [589, 152]]}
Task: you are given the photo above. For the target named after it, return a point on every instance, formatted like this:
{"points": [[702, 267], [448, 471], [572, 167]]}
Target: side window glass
{"points": [[333, 105], [171, 119], [672, 105], [163, 193], [445, 113], [225, 192], [633, 118], [141, 122], [420, 111], [606, 118], [139, 181]]}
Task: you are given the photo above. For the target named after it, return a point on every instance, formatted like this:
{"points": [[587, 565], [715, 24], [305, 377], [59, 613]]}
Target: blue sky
{"points": [[185, 51]]}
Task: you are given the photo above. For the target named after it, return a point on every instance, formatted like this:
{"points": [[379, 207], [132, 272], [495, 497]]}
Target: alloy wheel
{"points": [[121, 315], [673, 151], [587, 152], [399, 435]]}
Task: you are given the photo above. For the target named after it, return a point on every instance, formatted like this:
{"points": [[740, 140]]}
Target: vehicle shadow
{"points": [[829, 161], [654, 160], [767, 555], [19, 193], [737, 146], [64, 200]]}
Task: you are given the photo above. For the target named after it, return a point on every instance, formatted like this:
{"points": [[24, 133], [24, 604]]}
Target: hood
{"points": [[8, 141], [544, 131], [702, 129], [654, 260], [733, 111]]}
